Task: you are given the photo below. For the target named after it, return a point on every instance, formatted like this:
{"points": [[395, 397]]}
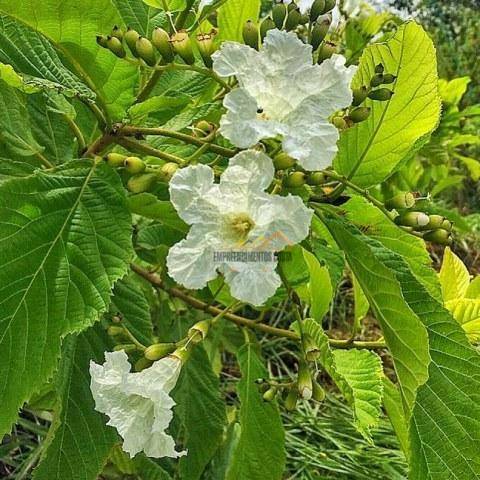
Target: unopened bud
{"points": [[131, 36], [282, 161], [318, 393], [401, 201], [116, 47], [115, 159], [265, 26], [319, 31], [379, 68], [330, 5], [305, 387], [203, 129], [326, 50], [206, 47], [440, 236], [250, 34], [376, 80], [199, 331], [126, 347], [340, 123], [168, 170], [381, 94], [291, 400], [159, 350], [142, 363], [270, 394], [161, 41], [115, 331], [304, 19], [102, 41], [435, 222], [213, 19], [317, 9], [295, 180], [183, 46], [279, 13], [146, 51], [117, 32], [389, 78], [142, 183], [359, 95], [412, 219], [134, 165], [447, 225], [293, 19], [310, 347], [359, 114], [181, 354]]}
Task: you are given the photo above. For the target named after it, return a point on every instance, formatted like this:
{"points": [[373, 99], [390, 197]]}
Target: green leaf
{"points": [[162, 107], [11, 168], [454, 277], [466, 312], [64, 241], [473, 290], [173, 5], [260, 451], [202, 413], [149, 470], [361, 306], [452, 91], [79, 441], [140, 16], [372, 150], [233, 15]]}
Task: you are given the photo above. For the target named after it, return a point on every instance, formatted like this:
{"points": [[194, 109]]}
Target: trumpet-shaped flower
{"points": [[138, 404], [236, 227], [282, 93]]}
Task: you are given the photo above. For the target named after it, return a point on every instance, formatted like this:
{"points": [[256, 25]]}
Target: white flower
{"points": [[234, 218], [204, 3], [282, 93], [303, 5], [138, 404]]}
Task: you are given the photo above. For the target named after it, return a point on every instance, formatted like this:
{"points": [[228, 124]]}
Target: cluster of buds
{"points": [[161, 48], [296, 177], [432, 228]]}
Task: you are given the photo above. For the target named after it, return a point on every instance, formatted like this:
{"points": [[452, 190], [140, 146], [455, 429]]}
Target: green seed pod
{"points": [[317, 9], [161, 41], [447, 225], [206, 47], [401, 201], [330, 5], [142, 182], [316, 178], [412, 219], [379, 68], [326, 50], [102, 41], [116, 47], [270, 394], [359, 114], [279, 13], [310, 347], [293, 19], [134, 165], [265, 26], [158, 351], [131, 36], [291, 400], [168, 170], [115, 159], [203, 129], [117, 32], [295, 180], [146, 51], [319, 31], [250, 34], [318, 393], [359, 95], [381, 94], [340, 123], [183, 46], [126, 347], [376, 80], [115, 331], [440, 236], [282, 161], [389, 78], [199, 331], [305, 387]]}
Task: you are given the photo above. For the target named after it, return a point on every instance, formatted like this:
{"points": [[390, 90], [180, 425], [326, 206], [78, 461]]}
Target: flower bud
{"points": [[158, 351], [379, 68], [291, 400], [102, 41], [326, 50], [295, 180], [199, 331], [146, 51], [310, 347], [142, 183], [126, 347], [134, 165], [319, 31], [279, 13], [270, 394], [330, 5], [183, 46], [265, 26], [440, 236], [359, 114], [318, 393], [401, 201], [203, 129], [161, 41], [389, 78], [131, 36], [206, 47], [412, 219], [317, 9], [304, 19], [340, 123], [447, 225], [381, 94], [116, 47], [376, 80], [282, 161], [117, 32], [293, 19], [213, 19], [435, 222], [316, 178], [305, 387], [115, 159], [115, 331], [359, 95], [168, 170], [142, 363], [250, 34], [182, 354]]}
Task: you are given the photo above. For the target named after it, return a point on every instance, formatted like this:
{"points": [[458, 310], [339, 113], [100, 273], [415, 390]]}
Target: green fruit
{"points": [[183, 46], [330, 5], [265, 26], [412, 219], [291, 400], [340, 123], [270, 394], [359, 114], [161, 41], [401, 201], [282, 161], [293, 19], [376, 80], [317, 9], [295, 180], [389, 78], [279, 13], [117, 32], [316, 178], [115, 159], [146, 51], [440, 236], [318, 392], [381, 94], [131, 36], [134, 165], [326, 50], [379, 68], [102, 41], [168, 170], [142, 182], [250, 34], [206, 47], [116, 47], [359, 95], [319, 32]]}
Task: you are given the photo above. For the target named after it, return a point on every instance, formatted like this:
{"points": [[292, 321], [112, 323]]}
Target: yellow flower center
{"points": [[238, 226]]}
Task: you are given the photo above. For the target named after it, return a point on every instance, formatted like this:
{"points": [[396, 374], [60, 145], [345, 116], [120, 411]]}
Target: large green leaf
{"points": [[454, 277], [79, 441], [64, 241], [260, 451], [371, 150], [233, 15], [202, 413], [444, 418], [141, 17]]}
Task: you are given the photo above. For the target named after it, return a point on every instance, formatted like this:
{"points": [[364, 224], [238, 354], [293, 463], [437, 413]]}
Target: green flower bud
{"points": [[182, 354], [116, 47], [330, 5], [317, 9], [199, 331], [318, 393], [161, 41], [291, 400], [381, 94], [359, 114], [316, 178], [131, 36], [270, 394], [115, 159], [435, 222], [412, 219], [279, 13], [379, 68], [203, 129], [376, 80], [134, 165], [401, 201], [168, 170], [117, 32], [250, 34], [142, 363], [310, 347], [304, 19], [115, 331], [265, 26], [389, 78], [319, 31], [340, 123], [359, 95], [142, 183], [326, 50], [213, 19], [440, 236], [206, 47], [447, 225], [158, 351], [102, 41], [305, 387], [183, 46], [293, 19], [126, 347], [295, 180], [282, 161], [146, 51]]}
